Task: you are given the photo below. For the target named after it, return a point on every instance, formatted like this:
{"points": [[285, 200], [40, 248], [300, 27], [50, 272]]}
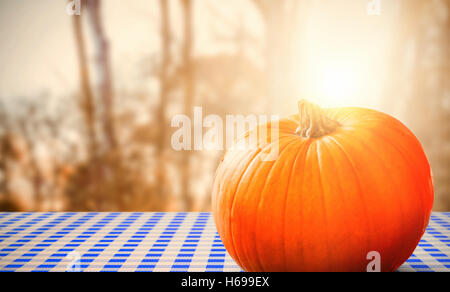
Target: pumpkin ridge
{"points": [[258, 263], [238, 185], [260, 150], [322, 192], [292, 171], [342, 115], [322, 195], [357, 180], [329, 146], [399, 200], [302, 219], [236, 160], [415, 174], [380, 133], [250, 161], [225, 172], [416, 177], [258, 206]]}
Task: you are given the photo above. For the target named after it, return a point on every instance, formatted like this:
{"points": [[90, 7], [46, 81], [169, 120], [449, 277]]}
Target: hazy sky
{"points": [[37, 46], [342, 46], [35, 40]]}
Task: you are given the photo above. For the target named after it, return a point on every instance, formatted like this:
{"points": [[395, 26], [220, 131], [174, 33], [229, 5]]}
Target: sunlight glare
{"points": [[337, 84]]}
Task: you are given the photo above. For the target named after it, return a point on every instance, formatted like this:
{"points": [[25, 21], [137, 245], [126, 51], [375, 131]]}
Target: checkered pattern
{"points": [[433, 252], [150, 242]]}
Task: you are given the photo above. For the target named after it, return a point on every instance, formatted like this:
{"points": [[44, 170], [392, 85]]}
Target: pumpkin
{"points": [[346, 182]]}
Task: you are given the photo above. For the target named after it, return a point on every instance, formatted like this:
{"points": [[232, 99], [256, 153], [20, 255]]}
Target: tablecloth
{"points": [[151, 242]]}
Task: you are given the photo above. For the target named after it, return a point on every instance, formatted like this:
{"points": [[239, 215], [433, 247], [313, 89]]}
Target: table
{"points": [[151, 242]]}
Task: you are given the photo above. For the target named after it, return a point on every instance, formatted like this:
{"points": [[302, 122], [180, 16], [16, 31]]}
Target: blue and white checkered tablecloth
{"points": [[151, 242]]}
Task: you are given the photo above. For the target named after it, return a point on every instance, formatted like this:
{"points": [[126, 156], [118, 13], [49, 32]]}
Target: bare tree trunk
{"points": [[189, 91], [408, 24], [102, 53], [432, 94], [163, 95], [5, 153], [427, 84], [87, 103]]}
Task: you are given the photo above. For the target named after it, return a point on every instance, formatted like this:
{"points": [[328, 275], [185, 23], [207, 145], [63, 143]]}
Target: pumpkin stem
{"points": [[314, 122]]}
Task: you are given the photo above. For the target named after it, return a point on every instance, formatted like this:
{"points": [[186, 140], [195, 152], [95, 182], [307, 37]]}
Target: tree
{"points": [[103, 66], [430, 94], [163, 94], [87, 103], [419, 85], [189, 93]]}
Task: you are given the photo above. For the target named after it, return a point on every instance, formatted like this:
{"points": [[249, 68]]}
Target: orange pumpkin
{"points": [[346, 182]]}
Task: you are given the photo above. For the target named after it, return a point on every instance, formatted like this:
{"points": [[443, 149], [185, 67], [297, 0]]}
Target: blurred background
{"points": [[86, 101]]}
